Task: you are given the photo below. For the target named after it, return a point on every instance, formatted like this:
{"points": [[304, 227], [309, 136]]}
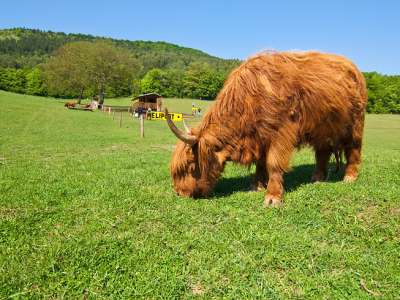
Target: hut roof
{"points": [[150, 97]]}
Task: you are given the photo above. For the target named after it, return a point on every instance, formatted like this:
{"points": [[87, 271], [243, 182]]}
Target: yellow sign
{"points": [[158, 115]]}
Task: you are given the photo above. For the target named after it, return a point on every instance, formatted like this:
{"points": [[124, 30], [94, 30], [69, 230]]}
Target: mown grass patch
{"points": [[87, 210]]}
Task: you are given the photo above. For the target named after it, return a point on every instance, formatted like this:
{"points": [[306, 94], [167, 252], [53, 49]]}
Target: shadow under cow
{"points": [[298, 176]]}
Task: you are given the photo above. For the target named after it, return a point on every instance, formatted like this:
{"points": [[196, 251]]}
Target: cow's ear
{"points": [[194, 131]]}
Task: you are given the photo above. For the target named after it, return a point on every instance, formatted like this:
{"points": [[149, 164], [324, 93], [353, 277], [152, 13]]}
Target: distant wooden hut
{"points": [[143, 102]]}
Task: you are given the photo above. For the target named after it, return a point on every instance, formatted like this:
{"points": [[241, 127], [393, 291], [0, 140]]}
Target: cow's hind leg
{"points": [[322, 156], [352, 151], [260, 178]]}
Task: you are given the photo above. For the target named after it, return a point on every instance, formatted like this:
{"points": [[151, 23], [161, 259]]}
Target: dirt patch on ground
{"points": [[117, 147], [164, 147], [7, 213], [368, 213], [395, 211], [197, 289]]}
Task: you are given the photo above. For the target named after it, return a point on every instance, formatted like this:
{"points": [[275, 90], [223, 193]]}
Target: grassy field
{"points": [[87, 210]]}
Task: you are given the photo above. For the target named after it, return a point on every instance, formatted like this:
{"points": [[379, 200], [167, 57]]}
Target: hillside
{"points": [[25, 48]]}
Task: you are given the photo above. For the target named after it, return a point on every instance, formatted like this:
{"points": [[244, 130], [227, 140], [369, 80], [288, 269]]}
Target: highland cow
{"points": [[70, 104], [269, 105]]}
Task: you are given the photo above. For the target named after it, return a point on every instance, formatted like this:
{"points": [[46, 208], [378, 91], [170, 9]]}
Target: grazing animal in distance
{"points": [[70, 104], [269, 105]]}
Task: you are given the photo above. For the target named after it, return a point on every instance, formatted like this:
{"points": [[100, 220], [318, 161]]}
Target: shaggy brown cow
{"points": [[271, 104], [70, 104]]}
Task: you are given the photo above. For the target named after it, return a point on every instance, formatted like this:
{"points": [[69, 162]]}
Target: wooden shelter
{"points": [[143, 102]]}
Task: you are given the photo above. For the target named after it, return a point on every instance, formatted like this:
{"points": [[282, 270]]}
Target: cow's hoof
{"points": [[318, 177], [272, 201], [349, 178]]}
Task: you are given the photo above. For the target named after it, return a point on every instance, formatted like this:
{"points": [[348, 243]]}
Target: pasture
{"points": [[87, 211]]}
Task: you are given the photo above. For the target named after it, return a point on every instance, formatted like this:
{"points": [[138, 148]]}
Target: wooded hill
{"points": [[168, 69], [26, 48]]}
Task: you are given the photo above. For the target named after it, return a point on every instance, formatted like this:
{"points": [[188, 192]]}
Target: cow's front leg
{"points": [[278, 159], [274, 194], [259, 181]]}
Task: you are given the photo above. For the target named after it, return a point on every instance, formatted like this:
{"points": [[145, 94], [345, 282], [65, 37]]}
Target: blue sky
{"points": [[368, 32]]}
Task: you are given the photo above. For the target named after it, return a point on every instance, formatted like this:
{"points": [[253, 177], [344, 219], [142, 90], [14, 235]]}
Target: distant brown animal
{"points": [[271, 104], [70, 104]]}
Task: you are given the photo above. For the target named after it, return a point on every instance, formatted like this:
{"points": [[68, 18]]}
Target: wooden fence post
{"points": [[141, 126], [109, 110], [113, 115], [120, 120]]}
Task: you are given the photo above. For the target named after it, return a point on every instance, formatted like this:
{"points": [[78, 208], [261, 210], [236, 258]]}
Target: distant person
{"points": [[148, 114], [193, 109]]}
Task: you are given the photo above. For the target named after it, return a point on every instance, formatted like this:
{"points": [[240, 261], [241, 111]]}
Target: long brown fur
{"points": [[271, 104]]}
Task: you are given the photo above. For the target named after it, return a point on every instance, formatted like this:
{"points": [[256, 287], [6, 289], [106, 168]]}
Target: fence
{"points": [[116, 112]]}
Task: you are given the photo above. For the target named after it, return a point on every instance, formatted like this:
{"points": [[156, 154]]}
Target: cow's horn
{"points": [[186, 138], [186, 127]]}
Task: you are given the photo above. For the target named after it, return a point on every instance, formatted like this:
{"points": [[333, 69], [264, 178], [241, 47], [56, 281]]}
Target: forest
{"points": [[40, 63]]}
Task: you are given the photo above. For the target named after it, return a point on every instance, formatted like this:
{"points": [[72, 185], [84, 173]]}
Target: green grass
{"points": [[87, 210]]}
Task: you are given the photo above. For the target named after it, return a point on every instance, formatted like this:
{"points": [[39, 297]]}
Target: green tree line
{"points": [[199, 81], [383, 93]]}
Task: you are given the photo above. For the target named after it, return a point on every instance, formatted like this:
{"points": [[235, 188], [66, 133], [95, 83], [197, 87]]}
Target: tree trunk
{"points": [[80, 96], [101, 95]]}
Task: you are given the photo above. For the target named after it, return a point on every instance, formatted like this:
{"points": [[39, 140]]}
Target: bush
{"points": [[34, 83], [13, 80]]}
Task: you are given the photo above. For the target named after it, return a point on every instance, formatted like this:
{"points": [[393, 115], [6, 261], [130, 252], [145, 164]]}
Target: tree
{"points": [[92, 66], [153, 81], [167, 83], [65, 73], [13, 80], [202, 81], [34, 83], [383, 93], [135, 86], [110, 66]]}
